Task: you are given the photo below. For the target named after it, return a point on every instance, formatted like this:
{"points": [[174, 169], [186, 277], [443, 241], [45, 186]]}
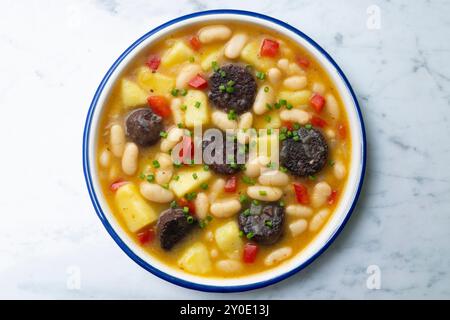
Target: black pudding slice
{"points": [[172, 227], [305, 155], [143, 127], [220, 152], [233, 87], [262, 223]]}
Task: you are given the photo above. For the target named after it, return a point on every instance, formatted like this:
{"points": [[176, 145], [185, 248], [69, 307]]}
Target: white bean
{"points": [[318, 87], [283, 64], [201, 205], [186, 74], [264, 96], [235, 45], [155, 193], [245, 121], [216, 189], [177, 113], [274, 75], [174, 136], [298, 227], [273, 178], [339, 170], [229, 266], [117, 140], [264, 193], [295, 115], [298, 210], [105, 158], [214, 33], [254, 167], [165, 171], [225, 208], [130, 158], [295, 82], [320, 194], [318, 220], [220, 120], [332, 106], [295, 69], [277, 256]]}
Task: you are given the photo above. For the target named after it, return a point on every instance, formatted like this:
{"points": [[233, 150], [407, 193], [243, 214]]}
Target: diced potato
{"points": [[214, 54], [132, 94], [197, 112], [178, 53], [228, 240], [133, 208], [196, 259], [157, 82], [187, 183], [267, 144], [250, 54], [296, 98], [262, 122]]}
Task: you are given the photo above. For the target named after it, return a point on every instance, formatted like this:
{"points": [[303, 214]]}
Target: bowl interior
{"points": [[294, 264]]}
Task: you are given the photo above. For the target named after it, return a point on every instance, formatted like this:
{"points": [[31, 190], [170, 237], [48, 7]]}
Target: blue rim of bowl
{"points": [[121, 243]]}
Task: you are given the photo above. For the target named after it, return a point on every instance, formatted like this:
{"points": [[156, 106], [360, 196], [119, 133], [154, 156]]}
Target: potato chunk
{"points": [[295, 97], [159, 84], [214, 54], [196, 259], [228, 240], [197, 109], [177, 54], [189, 180], [133, 208], [132, 94]]}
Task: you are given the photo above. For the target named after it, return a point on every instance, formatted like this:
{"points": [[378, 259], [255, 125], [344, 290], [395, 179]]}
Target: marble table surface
{"points": [[54, 54]]}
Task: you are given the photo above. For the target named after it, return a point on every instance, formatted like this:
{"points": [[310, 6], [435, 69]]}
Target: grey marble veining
{"points": [[52, 60]]}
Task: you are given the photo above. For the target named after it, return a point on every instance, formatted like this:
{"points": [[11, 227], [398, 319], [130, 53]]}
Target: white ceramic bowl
{"points": [[326, 235]]}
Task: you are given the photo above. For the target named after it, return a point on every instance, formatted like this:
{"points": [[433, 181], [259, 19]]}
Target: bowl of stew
{"points": [[224, 151]]}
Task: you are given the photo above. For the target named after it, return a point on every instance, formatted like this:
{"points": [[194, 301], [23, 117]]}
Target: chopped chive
{"points": [[190, 219], [165, 185], [262, 192], [177, 164], [174, 92], [232, 115], [282, 102], [268, 223], [269, 106], [173, 204], [142, 176], [255, 202], [204, 186], [312, 177], [191, 59], [277, 105], [296, 126], [268, 118], [269, 131], [250, 235], [260, 75], [243, 198], [183, 107], [183, 92], [248, 180], [176, 178], [222, 73], [222, 88], [156, 164], [229, 89], [209, 218], [308, 126], [283, 169], [281, 203], [197, 104], [214, 66], [163, 134], [282, 137], [241, 234], [150, 178], [331, 163], [186, 209], [246, 212], [296, 138], [266, 89], [195, 176], [180, 125], [289, 106], [206, 167]]}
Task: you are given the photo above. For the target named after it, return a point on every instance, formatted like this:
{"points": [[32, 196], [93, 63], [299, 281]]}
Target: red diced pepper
{"points": [[250, 252], [195, 43], [303, 62], [159, 105], [288, 124], [317, 102], [332, 197], [117, 184], [301, 193], [269, 48], [342, 130], [183, 202], [146, 236], [231, 184], [318, 122], [198, 82], [153, 62]]}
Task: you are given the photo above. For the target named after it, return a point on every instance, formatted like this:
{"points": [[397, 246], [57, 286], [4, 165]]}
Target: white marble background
{"points": [[53, 54]]}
